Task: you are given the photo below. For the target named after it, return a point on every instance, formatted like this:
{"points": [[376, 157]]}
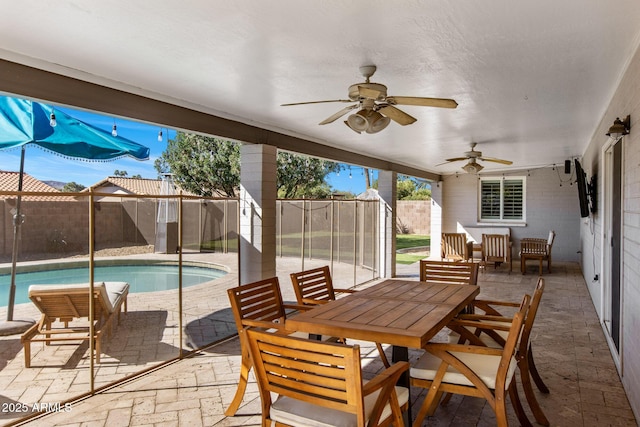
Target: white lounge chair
{"points": [[66, 303]]}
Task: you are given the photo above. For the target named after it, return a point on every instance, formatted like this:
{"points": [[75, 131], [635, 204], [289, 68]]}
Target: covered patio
{"points": [[536, 85], [570, 351]]}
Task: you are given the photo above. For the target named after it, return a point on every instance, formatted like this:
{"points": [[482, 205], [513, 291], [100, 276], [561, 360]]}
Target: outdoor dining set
{"points": [[304, 353]]}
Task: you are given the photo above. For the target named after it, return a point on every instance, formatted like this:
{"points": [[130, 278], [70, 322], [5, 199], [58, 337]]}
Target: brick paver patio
{"points": [[569, 345]]}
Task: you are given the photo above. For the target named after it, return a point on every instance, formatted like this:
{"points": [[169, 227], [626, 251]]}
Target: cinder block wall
{"points": [[414, 216], [62, 226]]}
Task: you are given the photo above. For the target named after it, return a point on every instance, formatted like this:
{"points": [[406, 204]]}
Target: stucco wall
{"points": [[625, 100]]}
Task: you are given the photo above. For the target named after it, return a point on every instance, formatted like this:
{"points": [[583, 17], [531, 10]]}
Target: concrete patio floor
{"points": [[569, 347]]}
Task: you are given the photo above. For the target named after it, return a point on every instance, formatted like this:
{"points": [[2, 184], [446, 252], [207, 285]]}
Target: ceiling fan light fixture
{"points": [[472, 167], [377, 122], [348, 125], [358, 121]]}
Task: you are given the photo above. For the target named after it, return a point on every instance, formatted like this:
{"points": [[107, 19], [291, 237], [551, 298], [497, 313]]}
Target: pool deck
{"points": [[148, 335], [569, 346]]}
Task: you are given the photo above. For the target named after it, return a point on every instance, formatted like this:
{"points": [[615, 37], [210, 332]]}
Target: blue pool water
{"points": [[141, 278]]}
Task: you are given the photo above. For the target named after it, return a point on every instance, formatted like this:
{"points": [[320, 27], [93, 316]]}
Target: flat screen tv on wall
{"points": [[583, 191]]}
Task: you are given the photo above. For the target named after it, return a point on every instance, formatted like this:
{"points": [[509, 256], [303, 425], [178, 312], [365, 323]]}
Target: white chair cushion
{"points": [[485, 366], [303, 414], [111, 292], [116, 291]]}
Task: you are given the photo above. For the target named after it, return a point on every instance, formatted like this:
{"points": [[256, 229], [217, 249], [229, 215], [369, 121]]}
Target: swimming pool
{"points": [[141, 278]]}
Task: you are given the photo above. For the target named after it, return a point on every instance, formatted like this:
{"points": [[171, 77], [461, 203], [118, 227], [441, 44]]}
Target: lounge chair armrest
{"points": [[481, 317], [391, 374], [462, 348], [489, 306], [496, 302], [494, 326], [262, 324]]}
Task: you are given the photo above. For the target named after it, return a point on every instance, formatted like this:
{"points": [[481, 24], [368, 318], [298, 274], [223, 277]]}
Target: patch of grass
{"points": [[408, 258], [412, 240], [404, 241]]}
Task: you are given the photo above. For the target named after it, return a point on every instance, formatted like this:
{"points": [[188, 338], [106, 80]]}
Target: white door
{"points": [[612, 243]]}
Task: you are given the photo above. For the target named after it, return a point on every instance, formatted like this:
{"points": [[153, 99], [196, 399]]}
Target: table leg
{"points": [[400, 354]]}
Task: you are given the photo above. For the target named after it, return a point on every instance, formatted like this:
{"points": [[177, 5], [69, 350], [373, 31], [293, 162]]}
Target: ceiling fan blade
{"points": [[366, 92], [455, 159], [424, 102], [397, 115], [491, 159], [316, 102], [337, 115]]}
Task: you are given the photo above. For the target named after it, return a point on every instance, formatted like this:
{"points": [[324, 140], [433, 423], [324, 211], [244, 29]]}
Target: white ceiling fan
{"points": [[376, 108], [473, 156]]}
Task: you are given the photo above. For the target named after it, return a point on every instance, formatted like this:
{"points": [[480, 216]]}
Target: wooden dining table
{"points": [[403, 313]]}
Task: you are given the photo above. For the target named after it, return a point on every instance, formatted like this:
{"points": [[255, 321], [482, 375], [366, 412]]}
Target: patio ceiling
{"points": [[532, 79]]}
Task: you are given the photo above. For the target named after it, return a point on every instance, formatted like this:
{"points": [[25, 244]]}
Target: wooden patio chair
{"points": [[465, 327], [472, 370], [539, 249], [321, 384], [315, 286], [455, 247], [449, 272], [496, 249], [68, 304], [258, 304]]}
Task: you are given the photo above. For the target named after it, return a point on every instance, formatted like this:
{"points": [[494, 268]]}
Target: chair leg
{"points": [[428, 406], [523, 365], [98, 348], [534, 373], [383, 356], [242, 386], [445, 400], [517, 406], [540, 267], [27, 354]]}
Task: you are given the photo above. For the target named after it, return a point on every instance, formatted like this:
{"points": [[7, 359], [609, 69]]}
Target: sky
{"points": [[47, 166]]}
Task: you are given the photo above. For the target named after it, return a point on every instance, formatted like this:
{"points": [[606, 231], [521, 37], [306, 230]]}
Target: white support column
{"points": [[437, 191], [387, 184], [258, 192]]}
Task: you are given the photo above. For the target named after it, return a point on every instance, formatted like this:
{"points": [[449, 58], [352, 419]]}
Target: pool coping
{"points": [[57, 264]]}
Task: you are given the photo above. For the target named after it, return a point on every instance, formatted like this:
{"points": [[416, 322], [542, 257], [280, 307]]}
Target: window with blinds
{"points": [[502, 199]]}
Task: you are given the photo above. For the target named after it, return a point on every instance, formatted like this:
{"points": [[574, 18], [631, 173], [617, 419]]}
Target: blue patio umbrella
{"points": [[25, 122]]}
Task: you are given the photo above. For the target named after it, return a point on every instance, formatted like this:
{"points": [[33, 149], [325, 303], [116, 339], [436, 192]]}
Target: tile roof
{"points": [[9, 182], [139, 186]]}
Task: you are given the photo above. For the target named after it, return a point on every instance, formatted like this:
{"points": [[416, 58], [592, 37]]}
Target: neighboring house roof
{"points": [[120, 185], [123, 185], [9, 182]]}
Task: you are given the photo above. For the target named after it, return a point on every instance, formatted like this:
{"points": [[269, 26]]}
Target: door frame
{"points": [[606, 190]]}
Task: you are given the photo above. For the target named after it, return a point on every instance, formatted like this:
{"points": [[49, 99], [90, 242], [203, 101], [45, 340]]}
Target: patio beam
{"points": [[27, 81]]}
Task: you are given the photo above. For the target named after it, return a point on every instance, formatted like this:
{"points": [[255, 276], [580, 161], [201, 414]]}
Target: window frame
{"points": [[502, 219]]}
